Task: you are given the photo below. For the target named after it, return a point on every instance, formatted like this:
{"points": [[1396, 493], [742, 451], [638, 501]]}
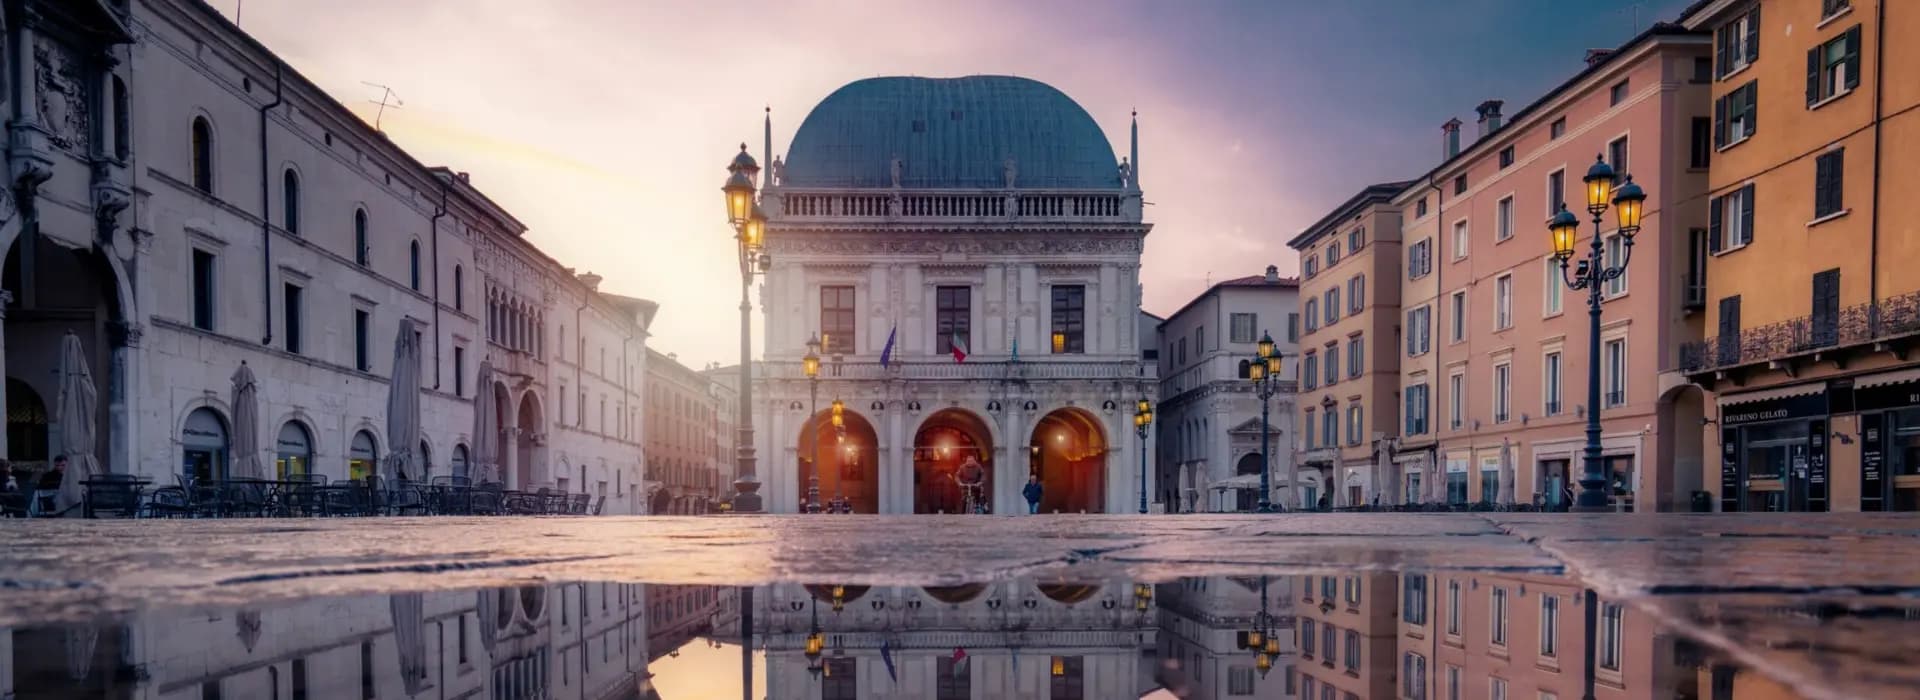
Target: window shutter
{"points": [[1413, 330], [1746, 214], [1750, 105], [1753, 35], [1720, 119], [1722, 42], [1813, 75], [1713, 223], [1852, 58]]}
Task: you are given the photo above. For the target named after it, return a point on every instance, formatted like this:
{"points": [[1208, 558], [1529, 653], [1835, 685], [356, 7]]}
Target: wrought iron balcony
{"points": [[1887, 320]]}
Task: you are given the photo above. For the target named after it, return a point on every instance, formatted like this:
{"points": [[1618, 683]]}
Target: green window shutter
{"points": [[1753, 35], [1853, 56], [1813, 75]]}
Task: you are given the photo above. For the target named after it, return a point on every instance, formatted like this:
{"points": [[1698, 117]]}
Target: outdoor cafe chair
{"points": [[169, 502]]}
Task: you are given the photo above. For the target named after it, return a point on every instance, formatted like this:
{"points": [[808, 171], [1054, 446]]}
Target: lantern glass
{"points": [[1628, 202], [1059, 343], [1143, 406], [816, 642], [1256, 639], [1263, 662], [1599, 181], [754, 230], [1059, 666], [810, 365], [739, 191], [1563, 228], [1273, 646], [1257, 371], [1266, 345], [1273, 366]]}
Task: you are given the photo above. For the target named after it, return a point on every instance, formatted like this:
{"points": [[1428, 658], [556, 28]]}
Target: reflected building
{"points": [[1203, 644]]}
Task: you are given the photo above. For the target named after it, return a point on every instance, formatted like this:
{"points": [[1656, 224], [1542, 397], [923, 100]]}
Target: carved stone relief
{"points": [[61, 75]]}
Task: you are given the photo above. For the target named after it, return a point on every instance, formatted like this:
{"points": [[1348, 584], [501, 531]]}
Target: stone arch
{"points": [[204, 455], [364, 447], [853, 470], [1251, 463], [954, 595], [942, 443], [1680, 416], [1069, 447], [1068, 593], [276, 456], [529, 420]]}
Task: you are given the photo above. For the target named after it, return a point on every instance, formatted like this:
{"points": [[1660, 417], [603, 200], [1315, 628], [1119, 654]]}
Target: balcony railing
{"points": [[965, 204], [1887, 319], [1553, 408], [968, 371]]}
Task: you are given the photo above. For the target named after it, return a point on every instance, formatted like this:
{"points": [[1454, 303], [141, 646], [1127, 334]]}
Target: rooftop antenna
{"points": [[238, 7], [1634, 10], [386, 93]]}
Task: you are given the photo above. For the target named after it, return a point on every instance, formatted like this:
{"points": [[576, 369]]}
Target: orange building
{"points": [[1806, 282], [1346, 634]]}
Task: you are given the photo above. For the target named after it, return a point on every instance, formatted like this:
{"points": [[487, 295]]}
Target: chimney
{"points": [[1273, 274], [1450, 135], [464, 177], [1489, 117], [591, 280], [1597, 55]]}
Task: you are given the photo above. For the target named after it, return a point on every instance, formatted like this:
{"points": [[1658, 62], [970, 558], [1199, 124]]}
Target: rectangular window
{"points": [[291, 316], [1549, 625], [1828, 176], [1557, 129], [1413, 672], [1310, 371], [1503, 219], [1503, 302], [953, 318], [1550, 380], [953, 681], [1616, 256], [1313, 314], [459, 371], [1293, 327], [840, 680], [1416, 409], [1069, 319], [1333, 364], [1420, 208], [1356, 294], [1312, 265], [1459, 316], [1460, 239], [1552, 295], [362, 342], [1556, 191], [1356, 239], [1616, 369], [1308, 434], [1453, 683], [1829, 8], [1833, 68], [1497, 689], [1417, 323], [1356, 356], [1737, 44], [1353, 651], [1333, 253], [1733, 115], [1499, 616], [1456, 400], [837, 320], [1696, 280], [1414, 598], [1460, 184], [1617, 156], [1618, 94], [1330, 434], [203, 290], [1420, 259], [1308, 640], [1700, 143], [1502, 384], [1332, 304], [1327, 648], [1242, 328], [1355, 424], [1826, 308], [1453, 607], [1199, 341], [1351, 588], [1730, 220], [1239, 680], [1506, 157], [1611, 618]]}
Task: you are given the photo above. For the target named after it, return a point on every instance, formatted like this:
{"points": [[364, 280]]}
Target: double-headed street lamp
{"points": [[1260, 638], [1264, 371], [1142, 419], [749, 233], [1592, 272], [810, 364]]}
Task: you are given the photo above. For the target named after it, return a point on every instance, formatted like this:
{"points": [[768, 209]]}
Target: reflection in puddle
{"points": [[1440, 635]]}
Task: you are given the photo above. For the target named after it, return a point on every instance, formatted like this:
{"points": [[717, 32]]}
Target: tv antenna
{"points": [[386, 93], [1634, 10]]}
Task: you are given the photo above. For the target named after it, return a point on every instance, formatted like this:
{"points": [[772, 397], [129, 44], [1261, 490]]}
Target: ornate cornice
{"points": [[866, 245]]}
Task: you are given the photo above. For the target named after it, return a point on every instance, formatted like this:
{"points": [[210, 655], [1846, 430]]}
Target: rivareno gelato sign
{"points": [[1784, 408]]}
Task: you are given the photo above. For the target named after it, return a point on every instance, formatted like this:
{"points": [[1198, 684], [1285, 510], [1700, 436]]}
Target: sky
{"points": [[606, 125]]}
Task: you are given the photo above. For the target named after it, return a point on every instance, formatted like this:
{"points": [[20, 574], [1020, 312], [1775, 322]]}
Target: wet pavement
{"points": [[1706, 606]]}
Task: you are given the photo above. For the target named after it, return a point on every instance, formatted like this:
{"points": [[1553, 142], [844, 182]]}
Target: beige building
{"points": [[1349, 370], [1347, 636]]}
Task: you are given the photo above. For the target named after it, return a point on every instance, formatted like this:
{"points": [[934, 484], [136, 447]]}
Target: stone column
{"points": [[510, 458], [896, 495], [6, 298], [123, 401]]}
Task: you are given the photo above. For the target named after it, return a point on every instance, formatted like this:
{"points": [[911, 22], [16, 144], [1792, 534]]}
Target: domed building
{"points": [[967, 253]]}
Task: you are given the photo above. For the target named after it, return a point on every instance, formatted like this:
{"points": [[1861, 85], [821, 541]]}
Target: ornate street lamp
{"points": [[1591, 273], [1142, 418], [816, 641], [749, 234], [1264, 372], [810, 364]]}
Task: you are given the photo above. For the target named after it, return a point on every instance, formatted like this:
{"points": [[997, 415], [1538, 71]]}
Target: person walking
{"points": [[1032, 492]]}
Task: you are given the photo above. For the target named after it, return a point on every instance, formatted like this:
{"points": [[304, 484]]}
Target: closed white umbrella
{"points": [[75, 411], [246, 424], [486, 428], [1507, 472], [1383, 481], [487, 608], [409, 639], [403, 406]]}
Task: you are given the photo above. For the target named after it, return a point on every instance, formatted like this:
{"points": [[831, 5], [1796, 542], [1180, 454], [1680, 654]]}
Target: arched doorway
{"points": [[493, 471], [1069, 452], [292, 452], [203, 446], [1682, 442], [1250, 464], [946, 441], [529, 423], [849, 457], [458, 463], [26, 424], [426, 461], [662, 502], [362, 456], [1068, 593]]}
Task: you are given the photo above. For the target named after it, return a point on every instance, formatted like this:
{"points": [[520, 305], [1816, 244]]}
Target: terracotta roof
{"points": [[1259, 281]]}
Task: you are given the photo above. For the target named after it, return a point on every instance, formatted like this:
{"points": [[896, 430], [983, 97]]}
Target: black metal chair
{"points": [[169, 502], [115, 493], [580, 503], [599, 504], [407, 498]]}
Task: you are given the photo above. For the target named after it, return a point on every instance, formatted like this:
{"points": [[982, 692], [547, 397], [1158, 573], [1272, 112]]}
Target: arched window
{"points": [[121, 120], [202, 155], [413, 265], [360, 252], [1245, 369], [290, 201], [459, 289]]}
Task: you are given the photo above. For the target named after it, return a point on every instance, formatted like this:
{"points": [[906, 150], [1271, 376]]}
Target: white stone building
{"points": [[184, 201], [910, 213], [1210, 454]]}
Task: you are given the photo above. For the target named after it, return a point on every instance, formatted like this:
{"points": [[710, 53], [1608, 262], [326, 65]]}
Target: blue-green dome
{"points": [[950, 132]]}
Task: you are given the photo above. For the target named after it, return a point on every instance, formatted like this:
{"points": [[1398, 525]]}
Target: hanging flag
{"points": [[886, 353], [1016, 347], [959, 662], [959, 349], [886, 657]]}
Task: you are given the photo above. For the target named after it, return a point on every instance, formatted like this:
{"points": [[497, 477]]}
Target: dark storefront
{"points": [[1773, 452], [1889, 443]]}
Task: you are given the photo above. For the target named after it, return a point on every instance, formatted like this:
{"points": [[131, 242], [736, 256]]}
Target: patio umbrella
{"points": [[409, 639], [81, 640], [246, 424], [487, 608], [75, 412], [1507, 475], [480, 457], [403, 405], [1383, 481]]}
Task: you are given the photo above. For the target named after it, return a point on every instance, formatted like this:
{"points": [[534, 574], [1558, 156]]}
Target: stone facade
{"points": [[683, 437]]}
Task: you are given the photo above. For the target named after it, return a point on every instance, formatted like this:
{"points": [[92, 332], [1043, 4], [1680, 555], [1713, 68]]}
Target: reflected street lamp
{"points": [[1590, 274], [1264, 372]]}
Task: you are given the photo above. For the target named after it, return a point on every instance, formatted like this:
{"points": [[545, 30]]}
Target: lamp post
{"points": [[749, 233], [1264, 372], [1142, 418], [840, 436], [1592, 272], [810, 364], [1260, 639]]}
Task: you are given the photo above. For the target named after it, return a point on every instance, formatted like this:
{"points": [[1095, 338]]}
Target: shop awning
{"points": [[1776, 393], [1888, 378], [1250, 482]]}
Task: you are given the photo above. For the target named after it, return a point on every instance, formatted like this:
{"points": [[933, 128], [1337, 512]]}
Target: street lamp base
{"points": [[1590, 509]]}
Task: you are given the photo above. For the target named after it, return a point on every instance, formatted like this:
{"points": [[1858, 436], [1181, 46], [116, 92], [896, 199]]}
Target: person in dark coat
{"points": [[1032, 492]]}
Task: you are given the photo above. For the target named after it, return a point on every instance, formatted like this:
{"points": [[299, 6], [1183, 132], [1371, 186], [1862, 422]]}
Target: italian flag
{"points": [[959, 349]]}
